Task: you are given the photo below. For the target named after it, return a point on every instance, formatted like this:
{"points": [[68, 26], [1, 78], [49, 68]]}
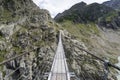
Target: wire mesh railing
{"points": [[88, 66], [20, 73]]}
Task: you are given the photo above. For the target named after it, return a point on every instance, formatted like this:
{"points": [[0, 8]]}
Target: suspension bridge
{"points": [[59, 69]]}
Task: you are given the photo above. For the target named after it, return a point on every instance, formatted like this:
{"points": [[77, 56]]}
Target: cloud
{"points": [[58, 6]]}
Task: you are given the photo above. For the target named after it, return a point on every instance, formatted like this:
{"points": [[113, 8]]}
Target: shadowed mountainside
{"points": [[97, 13], [115, 4]]}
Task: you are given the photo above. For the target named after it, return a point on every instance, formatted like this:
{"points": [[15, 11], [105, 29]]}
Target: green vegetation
{"points": [[6, 15], [2, 55], [109, 17], [18, 50], [81, 30], [17, 34], [39, 43], [1, 37], [1, 69]]}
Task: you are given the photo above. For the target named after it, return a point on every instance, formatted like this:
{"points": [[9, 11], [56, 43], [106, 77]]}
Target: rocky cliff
{"points": [[25, 28]]}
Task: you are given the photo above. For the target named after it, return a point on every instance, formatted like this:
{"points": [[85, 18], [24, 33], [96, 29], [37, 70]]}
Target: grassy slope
{"points": [[93, 38], [81, 31]]}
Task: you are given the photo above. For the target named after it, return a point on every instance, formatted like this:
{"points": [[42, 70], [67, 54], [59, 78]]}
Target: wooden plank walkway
{"points": [[59, 70]]}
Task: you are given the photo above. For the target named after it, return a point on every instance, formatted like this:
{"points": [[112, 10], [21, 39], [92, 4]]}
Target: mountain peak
{"points": [[82, 3], [78, 5]]}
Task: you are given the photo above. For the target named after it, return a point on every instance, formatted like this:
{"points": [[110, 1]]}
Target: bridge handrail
{"points": [[10, 59], [11, 73], [109, 64], [13, 58]]}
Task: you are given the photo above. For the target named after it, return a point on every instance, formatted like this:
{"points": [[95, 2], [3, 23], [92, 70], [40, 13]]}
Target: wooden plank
{"points": [[59, 69]]}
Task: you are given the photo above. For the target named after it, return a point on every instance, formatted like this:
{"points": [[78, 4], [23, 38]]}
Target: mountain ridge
{"points": [[115, 4], [97, 13]]}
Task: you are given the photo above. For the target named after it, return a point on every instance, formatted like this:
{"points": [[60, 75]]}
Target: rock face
{"points": [[82, 64], [18, 11], [25, 28], [114, 23], [113, 4]]}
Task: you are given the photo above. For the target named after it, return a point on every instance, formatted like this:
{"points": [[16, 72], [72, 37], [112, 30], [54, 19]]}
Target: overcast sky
{"points": [[58, 6]]}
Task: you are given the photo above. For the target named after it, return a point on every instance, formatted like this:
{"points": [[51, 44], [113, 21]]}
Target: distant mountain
{"points": [[96, 13], [82, 12], [115, 4]]}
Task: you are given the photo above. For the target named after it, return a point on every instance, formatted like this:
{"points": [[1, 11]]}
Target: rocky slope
{"points": [[82, 64], [24, 28], [115, 4]]}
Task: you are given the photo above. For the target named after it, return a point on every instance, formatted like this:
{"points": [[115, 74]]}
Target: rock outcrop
{"points": [[82, 64], [25, 28], [113, 24]]}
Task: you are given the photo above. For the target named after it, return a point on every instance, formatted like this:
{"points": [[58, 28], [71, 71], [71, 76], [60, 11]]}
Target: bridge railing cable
{"points": [[83, 74], [104, 61], [42, 67], [105, 71]]}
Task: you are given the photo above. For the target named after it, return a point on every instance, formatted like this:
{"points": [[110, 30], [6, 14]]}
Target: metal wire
{"points": [[11, 73]]}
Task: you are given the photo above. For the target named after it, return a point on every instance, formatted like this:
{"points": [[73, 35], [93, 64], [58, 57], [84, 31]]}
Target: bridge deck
{"points": [[59, 69]]}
